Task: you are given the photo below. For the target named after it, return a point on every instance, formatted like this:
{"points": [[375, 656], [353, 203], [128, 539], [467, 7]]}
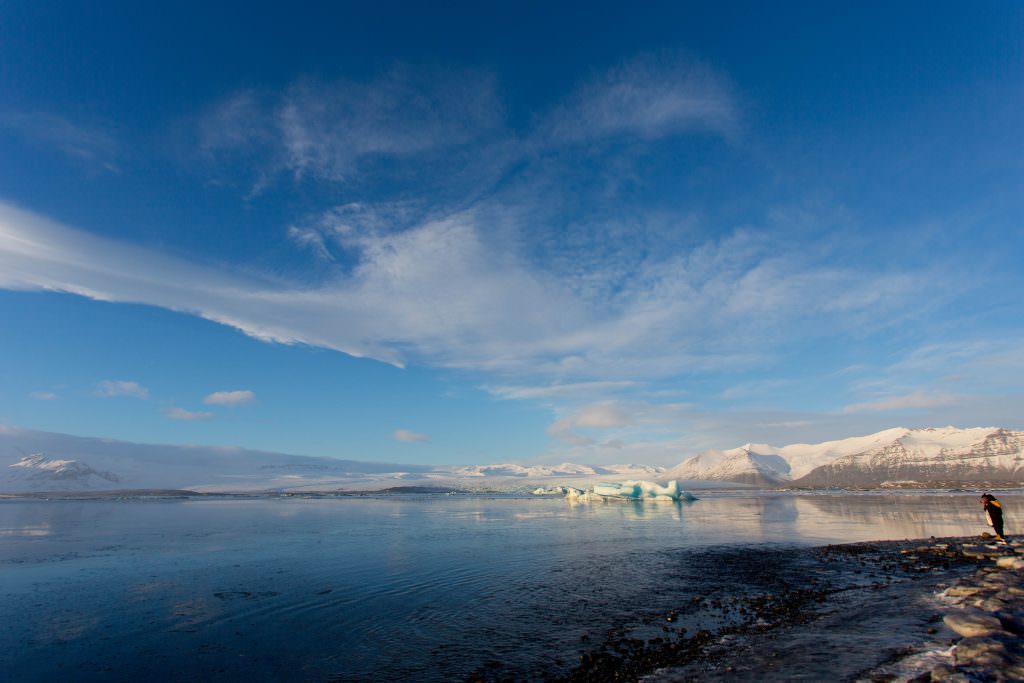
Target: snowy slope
{"points": [[938, 456], [945, 455], [745, 465], [36, 471]]}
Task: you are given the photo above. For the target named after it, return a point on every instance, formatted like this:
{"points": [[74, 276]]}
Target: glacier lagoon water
{"points": [[410, 587]]}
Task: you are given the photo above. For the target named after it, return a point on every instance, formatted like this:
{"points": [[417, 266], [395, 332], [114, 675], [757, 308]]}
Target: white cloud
{"points": [[612, 415], [598, 416], [561, 391], [312, 240], [646, 97], [43, 395], [326, 130], [109, 387], [916, 400], [229, 398], [754, 389], [409, 436], [445, 294], [176, 413]]}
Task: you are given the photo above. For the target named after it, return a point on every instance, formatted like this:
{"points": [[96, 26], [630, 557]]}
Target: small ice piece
{"points": [[557, 491], [574, 493], [642, 490]]}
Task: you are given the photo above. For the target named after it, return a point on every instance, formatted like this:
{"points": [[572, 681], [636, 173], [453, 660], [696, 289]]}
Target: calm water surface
{"points": [[400, 587]]}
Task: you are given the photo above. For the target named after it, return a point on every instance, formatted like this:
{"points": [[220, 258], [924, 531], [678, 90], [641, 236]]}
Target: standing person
{"points": [[994, 510]]}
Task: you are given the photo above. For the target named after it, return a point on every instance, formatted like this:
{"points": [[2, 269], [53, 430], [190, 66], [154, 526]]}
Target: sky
{"points": [[510, 232]]}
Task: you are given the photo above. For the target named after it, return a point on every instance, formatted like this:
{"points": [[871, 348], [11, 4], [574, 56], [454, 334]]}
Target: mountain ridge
{"points": [[925, 455], [946, 456]]}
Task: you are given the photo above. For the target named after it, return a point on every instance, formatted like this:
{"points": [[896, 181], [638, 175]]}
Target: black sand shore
{"points": [[928, 610]]}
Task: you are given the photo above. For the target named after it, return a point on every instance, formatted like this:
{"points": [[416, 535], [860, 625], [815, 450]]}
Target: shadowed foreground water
{"points": [[385, 588]]}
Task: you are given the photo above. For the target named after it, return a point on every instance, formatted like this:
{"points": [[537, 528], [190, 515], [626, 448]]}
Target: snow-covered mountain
{"points": [[927, 456], [36, 471]]}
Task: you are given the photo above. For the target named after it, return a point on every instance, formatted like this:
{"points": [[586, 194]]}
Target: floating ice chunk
{"points": [[556, 491], [638, 490]]}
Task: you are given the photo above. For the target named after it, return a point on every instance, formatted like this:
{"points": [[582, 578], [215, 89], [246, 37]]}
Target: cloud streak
{"points": [[91, 146], [176, 413], [914, 401], [335, 130], [409, 436], [108, 388], [229, 398], [648, 98], [609, 415]]}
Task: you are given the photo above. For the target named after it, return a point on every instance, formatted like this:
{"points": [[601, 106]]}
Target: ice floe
{"points": [[625, 490]]}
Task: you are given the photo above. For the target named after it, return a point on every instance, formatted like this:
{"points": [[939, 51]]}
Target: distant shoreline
{"points": [[115, 494]]}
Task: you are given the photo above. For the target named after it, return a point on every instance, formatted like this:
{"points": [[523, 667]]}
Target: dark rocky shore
{"points": [[936, 610]]}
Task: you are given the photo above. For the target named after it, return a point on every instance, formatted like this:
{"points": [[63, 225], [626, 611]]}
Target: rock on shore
{"points": [[985, 610]]}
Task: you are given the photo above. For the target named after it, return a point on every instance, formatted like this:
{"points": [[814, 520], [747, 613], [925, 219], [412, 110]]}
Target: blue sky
{"points": [[512, 232]]}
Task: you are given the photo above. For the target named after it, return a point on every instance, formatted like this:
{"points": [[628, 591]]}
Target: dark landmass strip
{"points": [[855, 612], [115, 494]]}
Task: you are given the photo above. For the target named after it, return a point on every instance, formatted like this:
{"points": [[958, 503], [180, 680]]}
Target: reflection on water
{"points": [[427, 588]]}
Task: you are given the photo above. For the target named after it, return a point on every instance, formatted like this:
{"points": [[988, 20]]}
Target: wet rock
{"points": [[970, 649], [962, 591], [989, 661], [971, 622], [1010, 562], [946, 674], [991, 605]]}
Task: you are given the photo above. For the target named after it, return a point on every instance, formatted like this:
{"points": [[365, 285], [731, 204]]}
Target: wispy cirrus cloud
{"points": [[649, 97], [608, 415], [43, 395], [443, 294], [916, 400], [94, 147], [561, 391], [333, 130], [109, 387], [229, 398], [452, 121], [599, 416], [542, 300]]}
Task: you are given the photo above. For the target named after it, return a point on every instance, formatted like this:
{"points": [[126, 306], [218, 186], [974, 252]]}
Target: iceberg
{"points": [[631, 490]]}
